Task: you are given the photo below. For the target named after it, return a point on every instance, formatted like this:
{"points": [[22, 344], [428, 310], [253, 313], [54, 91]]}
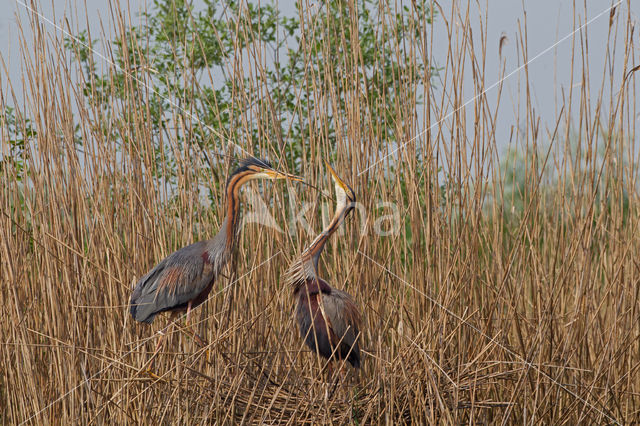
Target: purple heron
{"points": [[328, 318], [183, 280]]}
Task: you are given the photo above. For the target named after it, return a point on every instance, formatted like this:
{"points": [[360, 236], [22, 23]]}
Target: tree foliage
{"points": [[193, 62]]}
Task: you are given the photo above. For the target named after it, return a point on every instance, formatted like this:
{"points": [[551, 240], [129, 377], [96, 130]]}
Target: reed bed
{"points": [[492, 301]]}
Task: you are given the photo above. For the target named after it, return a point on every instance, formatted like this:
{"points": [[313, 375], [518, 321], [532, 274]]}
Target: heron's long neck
{"points": [[306, 267], [316, 247], [232, 219]]}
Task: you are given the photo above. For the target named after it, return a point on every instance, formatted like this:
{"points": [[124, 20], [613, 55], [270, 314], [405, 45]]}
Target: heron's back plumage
{"points": [[182, 277], [329, 321], [345, 321]]}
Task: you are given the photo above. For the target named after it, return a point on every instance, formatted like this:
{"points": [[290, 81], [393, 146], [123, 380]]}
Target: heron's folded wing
{"points": [[344, 319], [176, 280]]}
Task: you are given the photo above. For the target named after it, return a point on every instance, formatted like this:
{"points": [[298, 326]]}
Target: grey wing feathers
{"points": [[172, 283], [345, 323]]}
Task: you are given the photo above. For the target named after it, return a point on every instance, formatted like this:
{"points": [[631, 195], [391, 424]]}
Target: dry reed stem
{"points": [[472, 314]]}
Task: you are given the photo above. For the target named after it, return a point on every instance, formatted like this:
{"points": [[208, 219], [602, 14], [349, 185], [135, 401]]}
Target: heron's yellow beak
{"points": [[279, 175], [335, 176]]}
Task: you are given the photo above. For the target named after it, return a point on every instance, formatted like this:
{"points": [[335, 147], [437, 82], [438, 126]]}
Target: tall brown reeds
{"points": [[509, 292]]}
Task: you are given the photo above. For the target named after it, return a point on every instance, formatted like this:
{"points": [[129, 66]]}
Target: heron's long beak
{"points": [[335, 176], [273, 174]]}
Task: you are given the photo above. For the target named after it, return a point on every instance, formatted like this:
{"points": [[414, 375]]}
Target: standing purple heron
{"points": [[328, 318], [183, 280]]}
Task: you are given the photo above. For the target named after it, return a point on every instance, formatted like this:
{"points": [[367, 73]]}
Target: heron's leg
{"points": [[151, 361], [159, 345], [343, 370], [329, 370], [340, 377], [148, 367], [163, 335], [195, 336], [192, 333]]}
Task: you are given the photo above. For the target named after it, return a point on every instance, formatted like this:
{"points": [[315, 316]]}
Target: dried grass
{"points": [[471, 314]]}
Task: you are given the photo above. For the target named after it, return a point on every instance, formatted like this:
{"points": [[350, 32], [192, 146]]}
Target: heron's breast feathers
{"points": [[299, 272]]}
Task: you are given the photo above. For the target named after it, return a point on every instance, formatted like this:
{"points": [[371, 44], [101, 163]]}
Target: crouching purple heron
{"points": [[183, 280], [328, 318]]}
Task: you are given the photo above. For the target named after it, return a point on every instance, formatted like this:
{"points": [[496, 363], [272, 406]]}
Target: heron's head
{"points": [[255, 168], [345, 195]]}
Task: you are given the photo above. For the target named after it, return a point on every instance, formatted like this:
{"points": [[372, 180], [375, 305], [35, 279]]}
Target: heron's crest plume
{"points": [[254, 161]]}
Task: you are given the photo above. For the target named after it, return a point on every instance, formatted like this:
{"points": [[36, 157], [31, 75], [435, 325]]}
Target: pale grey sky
{"points": [[548, 21]]}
